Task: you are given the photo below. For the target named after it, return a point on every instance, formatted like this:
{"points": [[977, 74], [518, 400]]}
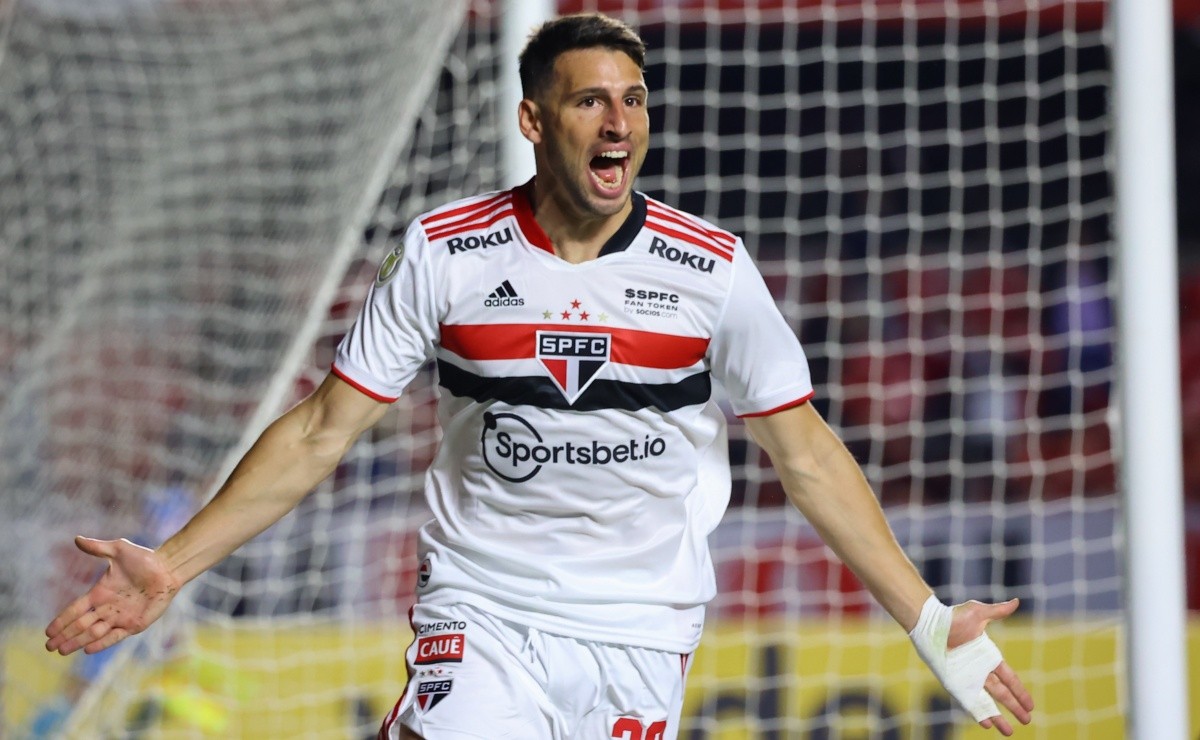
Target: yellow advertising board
{"points": [[767, 681], [862, 679]]}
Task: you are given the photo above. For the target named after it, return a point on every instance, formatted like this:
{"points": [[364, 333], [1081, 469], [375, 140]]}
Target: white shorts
{"points": [[472, 675]]}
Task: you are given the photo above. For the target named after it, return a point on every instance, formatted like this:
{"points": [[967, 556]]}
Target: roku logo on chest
{"points": [[660, 248], [441, 649], [491, 239]]}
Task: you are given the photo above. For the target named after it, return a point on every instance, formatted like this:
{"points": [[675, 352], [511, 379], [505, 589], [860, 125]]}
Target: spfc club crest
{"points": [[573, 358], [430, 692]]}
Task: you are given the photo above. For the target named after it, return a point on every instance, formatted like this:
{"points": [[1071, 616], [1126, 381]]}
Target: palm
{"points": [[968, 622], [133, 592]]}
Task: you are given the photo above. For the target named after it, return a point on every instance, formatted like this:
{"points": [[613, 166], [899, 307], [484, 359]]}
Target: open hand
{"points": [[968, 622], [134, 591]]}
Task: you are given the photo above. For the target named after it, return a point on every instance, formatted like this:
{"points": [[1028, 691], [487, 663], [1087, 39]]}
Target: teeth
{"points": [[610, 178], [618, 177]]}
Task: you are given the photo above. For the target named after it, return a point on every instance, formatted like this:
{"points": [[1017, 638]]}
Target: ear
{"points": [[529, 118]]}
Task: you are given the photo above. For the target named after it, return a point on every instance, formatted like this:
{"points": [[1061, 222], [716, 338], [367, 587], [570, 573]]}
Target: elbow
{"points": [[312, 440], [800, 478]]}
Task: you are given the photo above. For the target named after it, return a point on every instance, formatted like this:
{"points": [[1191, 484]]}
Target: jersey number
{"points": [[628, 728]]}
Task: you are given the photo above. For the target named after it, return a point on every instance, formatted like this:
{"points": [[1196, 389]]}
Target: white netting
{"points": [[182, 185], [924, 184]]}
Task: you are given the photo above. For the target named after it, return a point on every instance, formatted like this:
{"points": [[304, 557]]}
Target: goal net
{"points": [[925, 186], [185, 186]]}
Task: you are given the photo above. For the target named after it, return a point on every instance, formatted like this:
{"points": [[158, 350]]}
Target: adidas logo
{"points": [[503, 296]]}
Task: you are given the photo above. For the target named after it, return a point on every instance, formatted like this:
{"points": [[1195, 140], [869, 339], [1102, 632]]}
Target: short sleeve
{"points": [[397, 329], [754, 353]]}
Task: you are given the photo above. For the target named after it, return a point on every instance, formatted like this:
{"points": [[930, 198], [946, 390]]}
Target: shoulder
{"points": [[688, 241], [464, 217], [668, 221]]}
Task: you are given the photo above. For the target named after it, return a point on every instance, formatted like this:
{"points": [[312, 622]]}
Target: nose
{"points": [[616, 122]]}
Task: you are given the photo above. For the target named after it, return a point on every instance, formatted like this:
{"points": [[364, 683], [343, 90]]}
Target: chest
{"points": [[617, 292]]}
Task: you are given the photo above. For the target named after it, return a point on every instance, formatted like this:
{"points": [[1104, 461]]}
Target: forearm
{"points": [[291, 457], [278, 471], [836, 499], [823, 480]]}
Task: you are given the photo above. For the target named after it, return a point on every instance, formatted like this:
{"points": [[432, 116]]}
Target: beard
{"points": [[574, 182]]}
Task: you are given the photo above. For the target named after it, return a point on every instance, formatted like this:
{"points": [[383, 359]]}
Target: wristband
{"points": [[962, 670]]}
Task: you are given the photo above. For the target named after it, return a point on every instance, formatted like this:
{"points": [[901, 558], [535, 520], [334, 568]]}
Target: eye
{"points": [[633, 102], [589, 102]]}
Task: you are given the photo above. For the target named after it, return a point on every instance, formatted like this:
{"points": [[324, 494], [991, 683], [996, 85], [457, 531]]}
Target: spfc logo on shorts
{"points": [[573, 358], [430, 693]]}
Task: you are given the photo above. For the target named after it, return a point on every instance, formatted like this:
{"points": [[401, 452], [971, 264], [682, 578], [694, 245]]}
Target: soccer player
{"points": [[577, 326]]}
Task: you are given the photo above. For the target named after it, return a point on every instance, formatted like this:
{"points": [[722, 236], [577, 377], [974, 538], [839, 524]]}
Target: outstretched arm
{"points": [[822, 479], [292, 456]]}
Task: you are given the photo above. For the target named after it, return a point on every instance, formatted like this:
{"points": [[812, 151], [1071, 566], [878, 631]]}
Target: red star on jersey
{"points": [[566, 315], [575, 304], [583, 316]]}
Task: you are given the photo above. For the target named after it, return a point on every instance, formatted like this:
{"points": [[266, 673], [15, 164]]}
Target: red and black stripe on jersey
{"points": [[541, 392], [632, 347]]}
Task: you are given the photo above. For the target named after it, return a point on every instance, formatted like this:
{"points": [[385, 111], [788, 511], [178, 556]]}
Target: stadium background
{"points": [[956, 468]]}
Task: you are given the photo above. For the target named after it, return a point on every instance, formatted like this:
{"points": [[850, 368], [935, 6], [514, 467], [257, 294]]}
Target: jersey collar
{"points": [[534, 234]]}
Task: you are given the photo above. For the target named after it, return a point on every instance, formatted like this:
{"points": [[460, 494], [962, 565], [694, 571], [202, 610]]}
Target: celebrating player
{"points": [[577, 326]]}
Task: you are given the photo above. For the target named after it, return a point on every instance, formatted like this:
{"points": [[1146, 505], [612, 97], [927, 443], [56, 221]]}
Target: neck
{"points": [[577, 236]]}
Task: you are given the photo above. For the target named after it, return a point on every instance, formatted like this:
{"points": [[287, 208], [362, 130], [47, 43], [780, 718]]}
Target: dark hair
{"points": [[570, 32]]}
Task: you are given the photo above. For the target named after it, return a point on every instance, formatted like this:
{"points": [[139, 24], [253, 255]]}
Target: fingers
{"points": [[70, 630], [1001, 683], [76, 610], [1000, 693], [1005, 687], [93, 631], [130, 595], [66, 619], [67, 633], [110, 639], [999, 723], [1001, 610], [86, 638], [971, 618], [98, 548], [984, 614], [99, 636]]}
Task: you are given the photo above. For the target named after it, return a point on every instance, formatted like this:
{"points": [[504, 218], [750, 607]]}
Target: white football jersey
{"points": [[583, 462]]}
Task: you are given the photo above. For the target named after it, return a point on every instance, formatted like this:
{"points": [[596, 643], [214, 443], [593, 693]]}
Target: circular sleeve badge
{"points": [[390, 264]]}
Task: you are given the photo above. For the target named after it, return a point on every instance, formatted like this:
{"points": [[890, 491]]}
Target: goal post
{"points": [[520, 17], [1145, 196]]}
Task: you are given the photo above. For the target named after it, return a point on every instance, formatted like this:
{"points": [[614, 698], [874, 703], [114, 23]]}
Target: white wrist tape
{"points": [[961, 670]]}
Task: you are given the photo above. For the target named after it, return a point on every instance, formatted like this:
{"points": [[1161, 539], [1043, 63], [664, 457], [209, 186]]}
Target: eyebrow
{"points": [[601, 91]]}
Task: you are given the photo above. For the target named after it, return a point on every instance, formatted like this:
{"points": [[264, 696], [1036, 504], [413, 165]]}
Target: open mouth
{"points": [[608, 171]]}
